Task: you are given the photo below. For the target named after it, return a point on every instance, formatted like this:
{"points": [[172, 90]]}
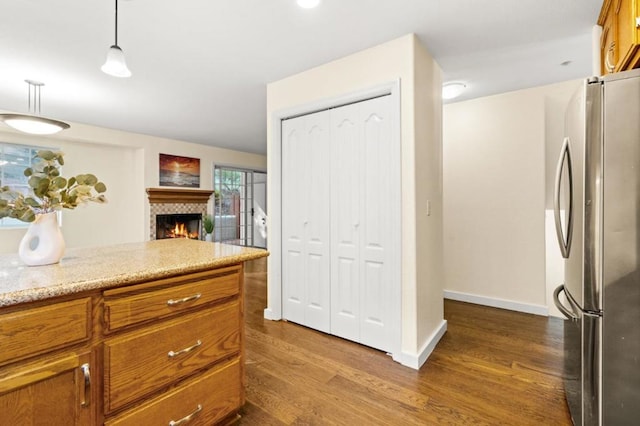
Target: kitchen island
{"points": [[143, 333]]}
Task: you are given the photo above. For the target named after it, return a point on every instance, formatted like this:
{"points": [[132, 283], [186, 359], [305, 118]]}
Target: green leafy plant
{"points": [[48, 191], [208, 223]]}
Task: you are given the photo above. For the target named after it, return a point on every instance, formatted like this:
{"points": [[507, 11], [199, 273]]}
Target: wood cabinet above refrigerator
{"points": [[620, 41]]}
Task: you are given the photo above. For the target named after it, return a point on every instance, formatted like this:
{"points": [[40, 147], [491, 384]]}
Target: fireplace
{"points": [[186, 206], [178, 226]]}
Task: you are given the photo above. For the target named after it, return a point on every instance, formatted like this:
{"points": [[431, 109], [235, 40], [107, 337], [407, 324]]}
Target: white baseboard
{"points": [[270, 315], [415, 361], [497, 303]]}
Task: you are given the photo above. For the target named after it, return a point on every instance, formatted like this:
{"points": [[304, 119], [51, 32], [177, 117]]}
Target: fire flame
{"points": [[181, 231]]}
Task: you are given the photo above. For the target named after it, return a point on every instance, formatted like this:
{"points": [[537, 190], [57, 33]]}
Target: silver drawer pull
{"points": [[185, 350], [174, 302], [186, 418], [86, 384]]}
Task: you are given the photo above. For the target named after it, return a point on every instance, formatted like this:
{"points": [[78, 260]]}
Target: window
{"points": [[13, 160]]}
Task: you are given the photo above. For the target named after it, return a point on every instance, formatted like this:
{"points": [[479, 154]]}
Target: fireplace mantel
{"points": [[164, 201], [170, 195]]}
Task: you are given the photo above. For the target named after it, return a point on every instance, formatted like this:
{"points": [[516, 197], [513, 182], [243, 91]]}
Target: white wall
{"points": [[128, 164], [496, 181], [404, 59], [427, 110]]}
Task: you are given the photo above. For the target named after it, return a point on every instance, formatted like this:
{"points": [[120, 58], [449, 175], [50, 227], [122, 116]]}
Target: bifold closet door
{"points": [[365, 221], [305, 220]]}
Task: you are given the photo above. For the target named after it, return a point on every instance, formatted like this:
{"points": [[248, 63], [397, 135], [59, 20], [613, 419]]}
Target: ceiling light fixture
{"points": [[308, 4], [452, 90], [33, 124], [115, 64]]}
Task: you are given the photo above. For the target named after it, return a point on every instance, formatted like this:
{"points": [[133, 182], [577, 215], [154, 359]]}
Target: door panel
{"points": [[305, 221], [621, 252], [260, 201], [575, 132], [345, 216], [316, 220], [377, 212], [48, 392], [346, 225], [293, 269], [345, 299]]}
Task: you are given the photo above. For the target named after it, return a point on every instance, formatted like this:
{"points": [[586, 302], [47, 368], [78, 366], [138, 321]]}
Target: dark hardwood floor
{"points": [[492, 367]]}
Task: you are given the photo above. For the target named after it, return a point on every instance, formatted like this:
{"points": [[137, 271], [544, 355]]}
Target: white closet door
{"points": [[365, 174], [305, 220], [346, 188], [380, 224], [346, 177], [293, 238]]}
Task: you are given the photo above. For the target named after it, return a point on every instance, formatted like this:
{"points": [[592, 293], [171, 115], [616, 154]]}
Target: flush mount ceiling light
{"points": [[308, 4], [33, 124], [115, 64], [452, 90]]}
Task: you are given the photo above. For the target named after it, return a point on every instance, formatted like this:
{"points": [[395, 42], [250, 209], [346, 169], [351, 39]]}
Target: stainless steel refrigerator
{"points": [[597, 214]]}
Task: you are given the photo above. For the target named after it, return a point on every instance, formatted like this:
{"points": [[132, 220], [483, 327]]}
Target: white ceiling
{"points": [[200, 67]]}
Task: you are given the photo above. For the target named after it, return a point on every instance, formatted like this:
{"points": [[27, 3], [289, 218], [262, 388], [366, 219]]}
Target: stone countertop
{"points": [[93, 268]]}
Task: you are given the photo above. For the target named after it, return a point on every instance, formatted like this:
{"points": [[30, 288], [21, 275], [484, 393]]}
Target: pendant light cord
{"points": [[116, 22], [34, 99]]}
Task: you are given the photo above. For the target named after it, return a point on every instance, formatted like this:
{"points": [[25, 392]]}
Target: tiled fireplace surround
{"points": [[176, 201]]}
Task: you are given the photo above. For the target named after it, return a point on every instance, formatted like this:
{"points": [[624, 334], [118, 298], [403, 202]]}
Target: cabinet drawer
{"points": [[42, 329], [149, 301], [208, 399], [139, 363]]}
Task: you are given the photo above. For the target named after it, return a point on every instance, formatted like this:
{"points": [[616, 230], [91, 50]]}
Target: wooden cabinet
{"points": [[170, 338], [139, 363], [148, 353], [132, 305], [620, 41], [54, 388], [55, 391], [204, 400], [43, 329]]}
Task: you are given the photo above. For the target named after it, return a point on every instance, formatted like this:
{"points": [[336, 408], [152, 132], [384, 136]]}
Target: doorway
{"points": [[240, 194]]}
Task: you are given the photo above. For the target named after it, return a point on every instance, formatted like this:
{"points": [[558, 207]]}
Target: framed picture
{"points": [[179, 171]]}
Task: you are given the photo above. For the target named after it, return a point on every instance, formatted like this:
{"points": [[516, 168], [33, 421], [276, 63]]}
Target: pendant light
{"points": [[115, 64], [32, 123]]}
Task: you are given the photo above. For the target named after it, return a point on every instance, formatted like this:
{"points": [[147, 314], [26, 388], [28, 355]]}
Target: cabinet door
{"points": [[609, 43], [51, 392], [620, 42], [628, 33], [305, 220]]}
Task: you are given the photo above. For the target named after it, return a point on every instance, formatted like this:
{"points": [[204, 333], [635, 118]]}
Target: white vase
{"points": [[208, 237], [43, 244]]}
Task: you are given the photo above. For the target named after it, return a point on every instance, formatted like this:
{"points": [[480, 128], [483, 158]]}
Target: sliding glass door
{"points": [[239, 193]]}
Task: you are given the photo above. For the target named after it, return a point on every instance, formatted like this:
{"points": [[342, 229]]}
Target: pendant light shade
{"points": [[115, 64], [31, 123]]}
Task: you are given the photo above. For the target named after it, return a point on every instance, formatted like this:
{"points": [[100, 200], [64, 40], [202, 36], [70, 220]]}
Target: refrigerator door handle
{"points": [[564, 240], [570, 314]]}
